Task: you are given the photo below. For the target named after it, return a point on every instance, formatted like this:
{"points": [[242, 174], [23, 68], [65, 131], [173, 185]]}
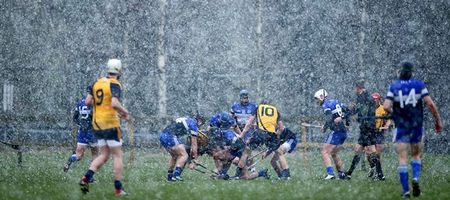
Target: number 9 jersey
{"points": [[104, 115], [407, 96]]}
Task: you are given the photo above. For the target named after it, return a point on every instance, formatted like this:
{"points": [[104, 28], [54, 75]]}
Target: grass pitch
{"points": [[42, 177]]}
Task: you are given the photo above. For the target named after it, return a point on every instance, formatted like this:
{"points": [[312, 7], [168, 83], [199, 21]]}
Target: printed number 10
{"points": [[267, 111]]}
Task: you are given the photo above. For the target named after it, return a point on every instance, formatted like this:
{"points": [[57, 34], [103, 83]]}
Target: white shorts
{"points": [[109, 143], [91, 145]]}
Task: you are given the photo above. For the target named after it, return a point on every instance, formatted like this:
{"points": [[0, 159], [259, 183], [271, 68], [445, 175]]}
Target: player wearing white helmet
{"points": [[335, 113], [105, 96]]}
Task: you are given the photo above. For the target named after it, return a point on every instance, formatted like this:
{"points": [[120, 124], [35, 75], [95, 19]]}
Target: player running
{"points": [[382, 124], [404, 100], [82, 116], [105, 96]]}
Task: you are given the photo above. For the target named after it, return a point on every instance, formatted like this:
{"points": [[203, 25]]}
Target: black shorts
{"points": [[379, 137], [263, 137], [108, 134], [367, 137]]}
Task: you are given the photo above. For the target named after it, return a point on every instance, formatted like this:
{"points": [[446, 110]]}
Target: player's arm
{"points": [[250, 121], [328, 120], [89, 98], [434, 111], [280, 126], [76, 116], [115, 101]]}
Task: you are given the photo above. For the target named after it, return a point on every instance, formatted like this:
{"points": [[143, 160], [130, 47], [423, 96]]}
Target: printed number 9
{"points": [[99, 94]]}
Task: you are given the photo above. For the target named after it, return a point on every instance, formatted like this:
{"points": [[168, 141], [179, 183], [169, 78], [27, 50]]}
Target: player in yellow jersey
{"points": [[381, 124], [269, 126], [104, 96]]}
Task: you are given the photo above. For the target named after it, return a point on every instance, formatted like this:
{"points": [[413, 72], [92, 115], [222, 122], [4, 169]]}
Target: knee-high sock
{"points": [[403, 173], [374, 157], [416, 166], [355, 162]]}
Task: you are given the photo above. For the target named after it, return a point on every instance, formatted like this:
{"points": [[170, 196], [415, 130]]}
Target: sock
{"points": [[117, 185], [225, 168], [330, 170], [285, 173], [403, 173], [374, 157], [238, 172], [89, 174], [177, 171], [355, 162], [169, 174], [370, 160], [416, 166], [262, 173], [278, 171]]}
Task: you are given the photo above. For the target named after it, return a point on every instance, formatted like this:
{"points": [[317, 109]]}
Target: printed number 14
{"points": [[411, 99]]}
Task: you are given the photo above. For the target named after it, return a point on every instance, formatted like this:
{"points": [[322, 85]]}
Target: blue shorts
{"points": [[414, 135], [336, 138], [86, 137], [168, 140]]}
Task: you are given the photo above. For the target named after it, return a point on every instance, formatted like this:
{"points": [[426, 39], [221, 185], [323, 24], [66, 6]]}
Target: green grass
{"points": [[42, 177]]}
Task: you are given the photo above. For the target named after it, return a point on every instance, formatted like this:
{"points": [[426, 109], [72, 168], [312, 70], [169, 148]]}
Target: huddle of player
{"points": [[231, 137]]}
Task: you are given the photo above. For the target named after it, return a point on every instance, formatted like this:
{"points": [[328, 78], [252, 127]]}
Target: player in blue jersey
{"points": [[288, 141], [171, 138], [405, 99], [228, 145], [364, 108], [335, 114], [242, 111], [82, 117]]}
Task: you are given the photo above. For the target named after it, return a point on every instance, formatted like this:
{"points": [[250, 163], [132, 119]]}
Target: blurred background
{"points": [[182, 56]]}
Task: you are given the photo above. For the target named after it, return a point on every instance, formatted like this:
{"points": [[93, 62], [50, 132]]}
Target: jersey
{"points": [[183, 126], [105, 116], [380, 112], [243, 112], [365, 110], [333, 109], [407, 97], [82, 115], [267, 117]]}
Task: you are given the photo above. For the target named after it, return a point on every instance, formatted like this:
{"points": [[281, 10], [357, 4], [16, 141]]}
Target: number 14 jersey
{"points": [[407, 97]]}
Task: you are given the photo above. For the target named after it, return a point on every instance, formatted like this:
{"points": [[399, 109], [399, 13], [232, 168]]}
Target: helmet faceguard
{"points": [[243, 97], [320, 96]]}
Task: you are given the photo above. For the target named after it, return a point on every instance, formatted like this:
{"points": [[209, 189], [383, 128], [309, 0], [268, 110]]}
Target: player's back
{"points": [[84, 115], [267, 117], [407, 97], [105, 116]]}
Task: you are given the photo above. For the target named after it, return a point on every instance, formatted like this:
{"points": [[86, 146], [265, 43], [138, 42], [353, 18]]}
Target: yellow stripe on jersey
{"points": [[267, 117], [380, 112], [104, 115]]}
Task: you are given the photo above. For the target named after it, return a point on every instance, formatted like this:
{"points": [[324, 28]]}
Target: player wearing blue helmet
{"points": [[242, 111], [405, 99]]}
